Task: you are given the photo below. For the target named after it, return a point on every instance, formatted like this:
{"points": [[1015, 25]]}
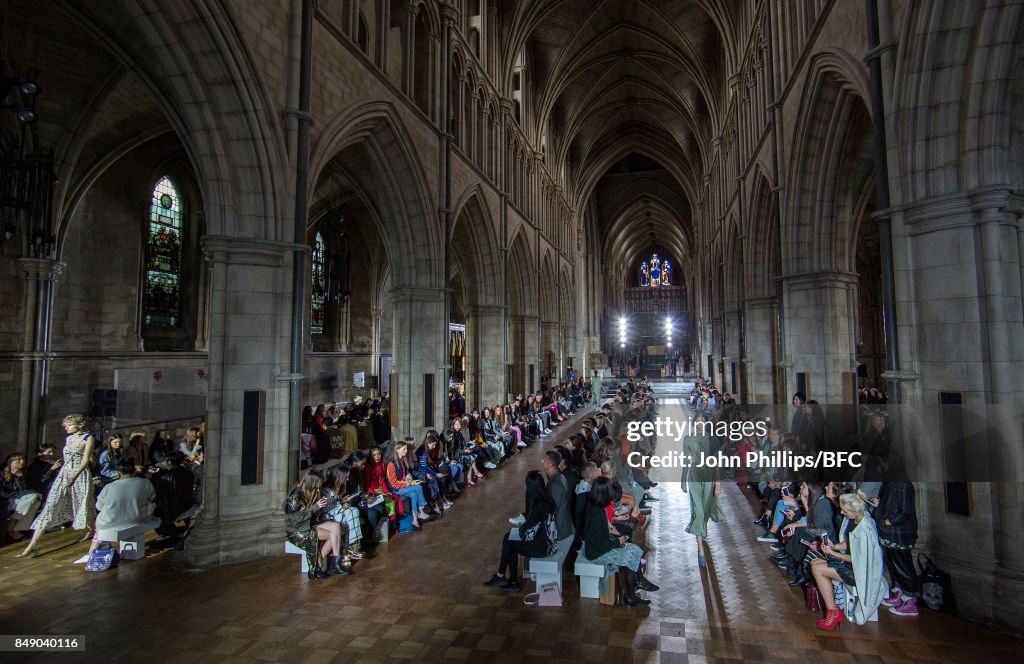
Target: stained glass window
{"points": [[319, 294], [162, 300], [655, 273]]}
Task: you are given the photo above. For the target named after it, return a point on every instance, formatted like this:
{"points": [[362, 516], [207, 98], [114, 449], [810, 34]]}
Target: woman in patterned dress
{"points": [[70, 498]]}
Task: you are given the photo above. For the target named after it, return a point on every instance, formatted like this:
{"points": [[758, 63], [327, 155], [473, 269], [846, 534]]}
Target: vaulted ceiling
{"points": [[610, 78]]}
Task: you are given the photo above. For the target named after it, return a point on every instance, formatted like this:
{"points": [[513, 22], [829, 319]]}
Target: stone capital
{"points": [[42, 269], [248, 251], [417, 294], [815, 280]]}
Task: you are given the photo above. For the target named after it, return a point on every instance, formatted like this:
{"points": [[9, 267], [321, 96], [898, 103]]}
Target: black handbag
{"points": [[936, 586]]}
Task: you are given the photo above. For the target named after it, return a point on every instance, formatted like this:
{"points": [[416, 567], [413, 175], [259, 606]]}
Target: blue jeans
{"points": [[456, 470], [415, 494]]}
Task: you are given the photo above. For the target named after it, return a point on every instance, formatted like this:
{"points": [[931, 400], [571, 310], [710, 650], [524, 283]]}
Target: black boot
{"points": [[316, 574], [630, 597], [643, 583], [763, 521], [334, 566]]}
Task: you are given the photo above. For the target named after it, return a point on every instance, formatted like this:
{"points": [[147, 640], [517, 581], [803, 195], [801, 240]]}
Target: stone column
{"points": [[485, 355], [761, 343], [549, 348], [523, 339], [40, 275], [375, 315], [732, 349], [418, 314], [819, 331], [250, 311]]}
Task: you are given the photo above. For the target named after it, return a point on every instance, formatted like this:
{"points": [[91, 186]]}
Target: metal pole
{"points": [[773, 123], [301, 219], [892, 356]]}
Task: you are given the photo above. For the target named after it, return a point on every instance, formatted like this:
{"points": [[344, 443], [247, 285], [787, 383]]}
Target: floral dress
{"points": [[67, 501]]}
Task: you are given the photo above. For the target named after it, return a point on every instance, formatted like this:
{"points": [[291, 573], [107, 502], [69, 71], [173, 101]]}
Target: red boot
{"points": [[832, 620]]}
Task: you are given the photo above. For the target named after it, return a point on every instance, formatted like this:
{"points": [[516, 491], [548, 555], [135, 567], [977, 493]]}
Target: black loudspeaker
{"points": [[253, 410], [104, 403], [428, 399], [862, 371]]}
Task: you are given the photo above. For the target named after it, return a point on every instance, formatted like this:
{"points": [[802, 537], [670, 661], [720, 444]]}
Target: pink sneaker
{"points": [[895, 599], [907, 608]]}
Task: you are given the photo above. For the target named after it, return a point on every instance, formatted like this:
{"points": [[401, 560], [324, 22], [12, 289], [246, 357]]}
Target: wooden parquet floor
{"points": [[419, 598]]}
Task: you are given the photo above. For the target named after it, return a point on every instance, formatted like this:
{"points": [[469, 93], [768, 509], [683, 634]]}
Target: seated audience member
{"points": [[174, 486], [816, 499], [587, 476], [137, 449], [434, 483], [356, 484], [43, 470], [374, 481], [192, 445], [127, 501], [110, 460], [896, 518], [559, 488], [860, 565], [341, 509], [161, 447], [304, 528], [535, 534], [19, 502], [401, 482], [604, 544], [463, 454]]}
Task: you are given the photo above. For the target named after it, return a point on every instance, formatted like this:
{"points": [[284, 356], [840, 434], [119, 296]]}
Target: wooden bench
{"points": [[549, 569], [590, 576], [130, 538]]}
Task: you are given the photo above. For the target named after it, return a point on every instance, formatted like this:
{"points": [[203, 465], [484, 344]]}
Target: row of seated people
{"points": [[569, 395], [404, 483], [822, 532], [172, 472], [585, 493], [321, 425]]}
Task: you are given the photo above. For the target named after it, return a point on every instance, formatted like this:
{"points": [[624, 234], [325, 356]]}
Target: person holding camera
{"points": [[341, 508]]}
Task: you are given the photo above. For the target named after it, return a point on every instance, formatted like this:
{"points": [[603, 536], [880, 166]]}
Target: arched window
{"points": [[655, 273], [319, 291], [162, 298]]}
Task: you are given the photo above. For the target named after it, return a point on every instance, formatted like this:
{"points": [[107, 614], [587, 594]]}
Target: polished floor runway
{"points": [[420, 598]]}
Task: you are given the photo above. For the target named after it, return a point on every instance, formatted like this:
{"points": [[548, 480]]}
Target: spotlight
{"points": [[30, 88], [26, 116]]}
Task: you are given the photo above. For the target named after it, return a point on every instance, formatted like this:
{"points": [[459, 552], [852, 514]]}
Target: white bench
{"points": [[850, 599], [130, 538], [291, 548], [590, 576], [549, 569]]}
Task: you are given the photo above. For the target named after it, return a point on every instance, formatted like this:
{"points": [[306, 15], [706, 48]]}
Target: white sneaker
{"points": [[517, 520], [447, 504], [489, 466], [520, 444], [769, 538]]}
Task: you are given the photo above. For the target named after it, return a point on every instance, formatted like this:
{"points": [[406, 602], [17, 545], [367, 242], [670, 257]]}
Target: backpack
{"points": [[103, 558]]}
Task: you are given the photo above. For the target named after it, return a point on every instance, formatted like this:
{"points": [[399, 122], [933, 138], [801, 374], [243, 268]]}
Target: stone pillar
{"points": [[819, 331], [40, 275], [375, 315], [418, 315], [549, 348], [732, 350], [485, 355], [761, 344], [523, 339], [250, 311]]}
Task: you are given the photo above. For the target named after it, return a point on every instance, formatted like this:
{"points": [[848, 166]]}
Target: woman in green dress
{"points": [[702, 484]]}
